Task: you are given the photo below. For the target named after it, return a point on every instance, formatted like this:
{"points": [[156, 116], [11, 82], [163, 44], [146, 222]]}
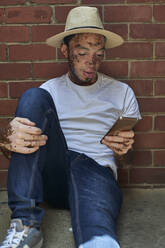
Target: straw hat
{"points": [[85, 19]]}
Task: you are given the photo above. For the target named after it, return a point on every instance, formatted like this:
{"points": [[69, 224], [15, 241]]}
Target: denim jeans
{"points": [[64, 178]]}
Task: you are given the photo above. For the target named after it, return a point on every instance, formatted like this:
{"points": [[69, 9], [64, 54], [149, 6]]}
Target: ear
{"points": [[64, 50]]}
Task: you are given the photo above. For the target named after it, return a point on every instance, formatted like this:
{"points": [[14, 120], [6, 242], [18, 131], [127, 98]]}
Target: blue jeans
{"points": [[64, 178]]}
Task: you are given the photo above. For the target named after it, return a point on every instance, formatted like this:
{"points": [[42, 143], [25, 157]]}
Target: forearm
{"points": [[4, 134]]}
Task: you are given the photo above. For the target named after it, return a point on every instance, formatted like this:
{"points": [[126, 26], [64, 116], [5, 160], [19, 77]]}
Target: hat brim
{"points": [[112, 39]]}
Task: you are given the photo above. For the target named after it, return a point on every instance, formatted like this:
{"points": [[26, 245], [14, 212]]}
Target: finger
{"points": [[126, 134], [31, 137], [25, 150], [122, 151], [25, 143], [20, 149], [114, 138], [20, 127], [118, 146], [118, 139], [25, 121], [129, 142], [114, 145], [29, 129], [34, 143]]}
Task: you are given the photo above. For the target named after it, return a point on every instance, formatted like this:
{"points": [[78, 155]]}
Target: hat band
{"points": [[83, 27]]}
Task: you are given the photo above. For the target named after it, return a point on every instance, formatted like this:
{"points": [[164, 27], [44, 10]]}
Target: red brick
{"points": [[54, 1], [159, 123], [160, 50], [128, 14], [160, 87], [159, 158], [140, 1], [147, 175], [12, 2], [141, 87], [142, 158], [2, 52], [14, 34], [17, 88], [15, 71], [115, 68], [158, 13], [152, 104], [147, 31], [149, 141], [32, 52], [123, 175], [159, 1], [3, 90], [135, 50], [3, 179], [145, 124], [102, 1], [4, 162], [1, 15], [41, 33], [61, 12], [148, 69], [145, 1], [49, 70], [121, 29], [8, 107], [28, 14]]}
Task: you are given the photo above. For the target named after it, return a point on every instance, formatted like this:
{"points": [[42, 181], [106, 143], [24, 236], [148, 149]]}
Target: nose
{"points": [[91, 60]]}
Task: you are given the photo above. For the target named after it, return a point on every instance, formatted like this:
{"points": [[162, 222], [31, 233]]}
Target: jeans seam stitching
{"points": [[77, 208], [35, 165]]}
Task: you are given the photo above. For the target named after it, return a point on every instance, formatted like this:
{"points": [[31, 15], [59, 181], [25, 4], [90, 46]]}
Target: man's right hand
{"points": [[23, 137]]}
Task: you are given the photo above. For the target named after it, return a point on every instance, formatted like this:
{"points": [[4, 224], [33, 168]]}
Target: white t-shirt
{"points": [[86, 113]]}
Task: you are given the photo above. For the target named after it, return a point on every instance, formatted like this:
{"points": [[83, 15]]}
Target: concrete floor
{"points": [[141, 223]]}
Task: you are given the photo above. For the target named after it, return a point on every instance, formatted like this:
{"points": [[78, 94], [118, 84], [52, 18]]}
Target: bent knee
{"points": [[35, 97], [35, 92]]}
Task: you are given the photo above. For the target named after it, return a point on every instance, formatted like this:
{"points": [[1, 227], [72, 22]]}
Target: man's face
{"points": [[85, 54]]}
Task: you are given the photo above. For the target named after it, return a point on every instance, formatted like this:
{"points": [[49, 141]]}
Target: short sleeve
{"points": [[131, 108]]}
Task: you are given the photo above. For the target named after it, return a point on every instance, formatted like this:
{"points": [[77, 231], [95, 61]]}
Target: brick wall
{"points": [[25, 61]]}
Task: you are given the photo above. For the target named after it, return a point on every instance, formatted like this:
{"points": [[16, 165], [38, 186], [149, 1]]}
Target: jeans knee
{"points": [[34, 103], [34, 95], [34, 98]]}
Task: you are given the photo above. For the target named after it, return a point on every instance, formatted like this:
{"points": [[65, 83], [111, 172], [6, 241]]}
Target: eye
{"points": [[82, 54], [100, 55]]}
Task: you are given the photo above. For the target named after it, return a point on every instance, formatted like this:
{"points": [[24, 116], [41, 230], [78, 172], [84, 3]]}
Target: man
{"points": [[74, 111]]}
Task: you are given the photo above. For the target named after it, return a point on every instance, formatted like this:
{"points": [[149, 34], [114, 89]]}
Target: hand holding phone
{"points": [[122, 124]]}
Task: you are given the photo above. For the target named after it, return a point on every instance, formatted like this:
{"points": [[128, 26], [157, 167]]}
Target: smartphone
{"points": [[122, 124]]}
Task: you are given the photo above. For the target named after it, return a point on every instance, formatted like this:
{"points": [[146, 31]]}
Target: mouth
{"points": [[89, 74]]}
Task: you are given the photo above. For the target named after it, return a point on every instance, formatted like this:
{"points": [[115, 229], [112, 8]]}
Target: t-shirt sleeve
{"points": [[131, 108]]}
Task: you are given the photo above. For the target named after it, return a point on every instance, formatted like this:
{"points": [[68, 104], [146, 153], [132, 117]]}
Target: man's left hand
{"points": [[120, 143]]}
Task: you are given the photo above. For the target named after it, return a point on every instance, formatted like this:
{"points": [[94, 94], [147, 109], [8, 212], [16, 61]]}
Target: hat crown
{"points": [[83, 16]]}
